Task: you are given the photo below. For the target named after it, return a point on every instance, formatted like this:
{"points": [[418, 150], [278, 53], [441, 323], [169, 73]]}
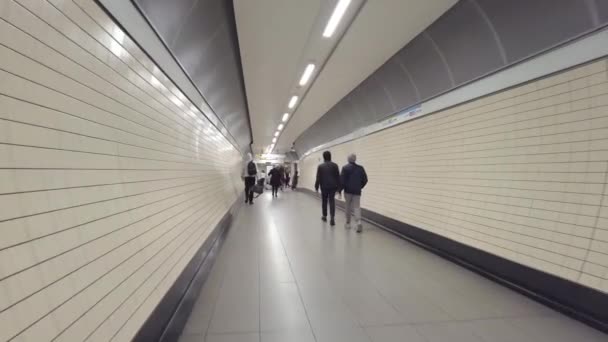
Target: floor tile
{"points": [[448, 332], [192, 337], [282, 275], [557, 329], [246, 337], [404, 333], [288, 336]]}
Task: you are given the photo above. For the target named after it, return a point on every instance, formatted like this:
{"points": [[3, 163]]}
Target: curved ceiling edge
{"points": [[201, 38], [473, 39]]}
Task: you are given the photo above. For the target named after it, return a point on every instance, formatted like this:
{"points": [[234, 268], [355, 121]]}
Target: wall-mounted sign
{"points": [[396, 119], [269, 156]]}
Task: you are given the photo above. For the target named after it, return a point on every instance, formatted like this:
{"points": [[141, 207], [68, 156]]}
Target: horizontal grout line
{"points": [[508, 222], [97, 219], [444, 162], [431, 117], [462, 235], [510, 180], [569, 153], [92, 186], [414, 169], [393, 148], [400, 199], [98, 169], [167, 78], [188, 238], [40, 262], [142, 303], [510, 188], [97, 202], [456, 116], [87, 51], [130, 295], [504, 248], [107, 272], [501, 238], [142, 67], [97, 123], [55, 90], [108, 97], [100, 154], [17, 302], [104, 139], [146, 71], [101, 61]]}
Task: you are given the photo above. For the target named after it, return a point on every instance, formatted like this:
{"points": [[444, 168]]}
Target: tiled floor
{"points": [[285, 276]]}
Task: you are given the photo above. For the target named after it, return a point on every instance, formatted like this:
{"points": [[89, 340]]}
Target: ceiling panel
{"points": [[472, 39], [398, 85], [273, 36], [278, 37], [201, 36], [525, 26], [467, 22]]}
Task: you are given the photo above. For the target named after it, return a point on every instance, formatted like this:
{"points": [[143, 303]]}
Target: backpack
{"points": [[251, 169]]}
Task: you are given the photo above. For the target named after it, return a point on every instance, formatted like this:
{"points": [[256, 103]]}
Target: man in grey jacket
{"points": [[353, 179]]}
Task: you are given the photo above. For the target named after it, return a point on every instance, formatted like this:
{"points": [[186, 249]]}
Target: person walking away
{"points": [[249, 174], [353, 179], [282, 178], [294, 182], [287, 177], [328, 179], [275, 180]]}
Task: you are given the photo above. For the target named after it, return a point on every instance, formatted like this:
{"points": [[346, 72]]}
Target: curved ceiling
{"points": [[474, 38], [201, 36], [279, 37]]}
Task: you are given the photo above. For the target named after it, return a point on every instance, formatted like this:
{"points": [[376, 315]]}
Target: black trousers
{"points": [[328, 197], [249, 183], [275, 190]]}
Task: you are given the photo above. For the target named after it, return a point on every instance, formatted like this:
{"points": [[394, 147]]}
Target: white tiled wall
{"points": [[110, 180], [521, 174]]}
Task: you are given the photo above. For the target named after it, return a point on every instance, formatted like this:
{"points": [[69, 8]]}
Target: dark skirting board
{"points": [[167, 321]]}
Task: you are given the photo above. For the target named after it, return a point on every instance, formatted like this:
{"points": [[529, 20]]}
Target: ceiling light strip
{"points": [[293, 102], [335, 18], [310, 68]]}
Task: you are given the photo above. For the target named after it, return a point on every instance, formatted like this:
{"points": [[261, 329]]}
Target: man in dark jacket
{"points": [[248, 175], [328, 179], [353, 179]]}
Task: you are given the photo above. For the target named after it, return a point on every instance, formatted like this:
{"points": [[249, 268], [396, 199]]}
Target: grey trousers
{"points": [[353, 205]]}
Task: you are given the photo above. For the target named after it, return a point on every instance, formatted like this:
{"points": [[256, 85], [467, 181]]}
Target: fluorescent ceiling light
{"points": [[307, 73], [274, 140], [293, 101], [276, 134], [280, 127], [335, 18], [285, 117]]}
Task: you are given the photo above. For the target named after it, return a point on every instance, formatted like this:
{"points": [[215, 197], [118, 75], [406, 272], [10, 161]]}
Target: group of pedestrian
{"points": [[352, 179], [330, 180], [279, 177]]}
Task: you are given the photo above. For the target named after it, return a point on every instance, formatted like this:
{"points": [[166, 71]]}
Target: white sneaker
{"points": [[347, 225]]}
